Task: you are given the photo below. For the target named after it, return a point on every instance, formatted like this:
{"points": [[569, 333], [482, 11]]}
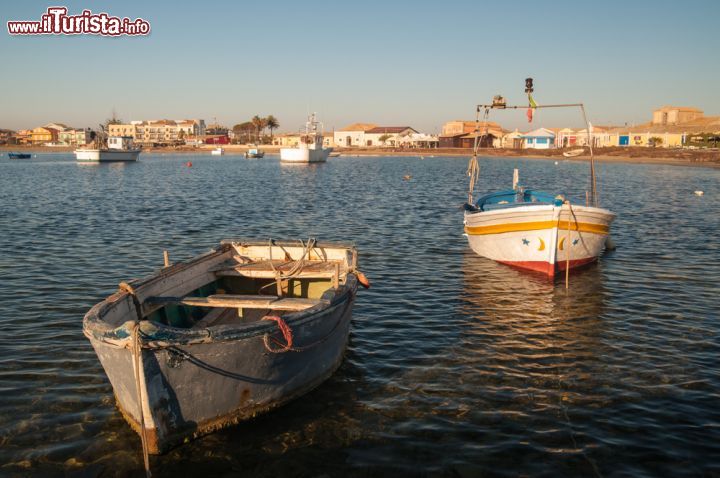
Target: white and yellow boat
{"points": [[536, 231], [530, 229]]}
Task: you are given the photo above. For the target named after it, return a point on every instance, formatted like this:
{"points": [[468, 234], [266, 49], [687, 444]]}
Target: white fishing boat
{"points": [[310, 149], [238, 331], [119, 148], [573, 153], [217, 151], [533, 230], [254, 153]]}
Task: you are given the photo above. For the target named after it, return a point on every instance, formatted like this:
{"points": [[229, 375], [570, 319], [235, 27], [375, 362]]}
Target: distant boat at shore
{"points": [[19, 155], [217, 151], [311, 148], [119, 148], [254, 153], [573, 152]]}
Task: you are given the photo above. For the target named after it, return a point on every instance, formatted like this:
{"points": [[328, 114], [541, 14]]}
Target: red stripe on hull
{"points": [[546, 268]]}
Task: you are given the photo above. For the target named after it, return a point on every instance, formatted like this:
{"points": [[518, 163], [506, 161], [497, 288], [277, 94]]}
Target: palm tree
{"points": [[271, 122], [259, 124]]}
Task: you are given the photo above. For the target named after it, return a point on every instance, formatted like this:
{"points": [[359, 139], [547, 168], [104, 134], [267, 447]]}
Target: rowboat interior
{"points": [[240, 283]]}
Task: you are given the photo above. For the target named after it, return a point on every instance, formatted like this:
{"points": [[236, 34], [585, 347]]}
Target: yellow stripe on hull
{"points": [[536, 226]]}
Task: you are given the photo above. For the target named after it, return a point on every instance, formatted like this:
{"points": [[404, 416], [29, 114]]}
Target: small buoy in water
{"points": [[362, 279], [699, 193], [189, 164], [610, 244], [556, 163], [407, 177]]}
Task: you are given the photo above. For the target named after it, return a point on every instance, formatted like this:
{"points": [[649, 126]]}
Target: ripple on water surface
{"points": [[456, 365]]}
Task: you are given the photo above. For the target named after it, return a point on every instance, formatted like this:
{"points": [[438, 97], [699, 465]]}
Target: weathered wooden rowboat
{"points": [[232, 333]]}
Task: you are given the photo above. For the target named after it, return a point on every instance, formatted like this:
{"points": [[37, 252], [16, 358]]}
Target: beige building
{"points": [[673, 115], [74, 137], [352, 135], [159, 131], [462, 134]]}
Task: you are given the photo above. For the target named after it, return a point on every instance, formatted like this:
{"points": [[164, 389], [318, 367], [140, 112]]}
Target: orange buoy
{"points": [[189, 164], [362, 279]]}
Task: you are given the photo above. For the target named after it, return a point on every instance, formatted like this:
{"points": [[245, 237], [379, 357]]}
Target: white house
{"points": [[541, 138], [370, 135], [392, 135], [352, 135], [512, 140]]}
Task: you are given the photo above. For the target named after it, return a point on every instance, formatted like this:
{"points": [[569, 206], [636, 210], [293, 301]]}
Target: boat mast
{"points": [[501, 105]]}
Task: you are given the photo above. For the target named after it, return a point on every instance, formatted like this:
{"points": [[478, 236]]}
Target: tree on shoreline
{"points": [[272, 123], [243, 131], [259, 124]]}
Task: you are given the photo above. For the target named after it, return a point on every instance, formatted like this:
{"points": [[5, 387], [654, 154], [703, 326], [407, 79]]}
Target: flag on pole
{"points": [[531, 101], [532, 105]]}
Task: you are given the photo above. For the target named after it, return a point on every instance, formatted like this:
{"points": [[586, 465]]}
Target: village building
{"points": [[74, 137], [387, 135], [541, 138], [672, 115], [419, 140], [352, 135], [42, 135], [160, 131], [5, 135], [462, 134], [512, 140], [23, 136]]}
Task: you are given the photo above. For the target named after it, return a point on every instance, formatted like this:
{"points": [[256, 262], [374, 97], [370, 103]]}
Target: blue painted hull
{"points": [[19, 155]]}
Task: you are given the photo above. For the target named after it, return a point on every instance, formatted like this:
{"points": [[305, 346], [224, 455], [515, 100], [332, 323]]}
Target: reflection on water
{"points": [[456, 366]]}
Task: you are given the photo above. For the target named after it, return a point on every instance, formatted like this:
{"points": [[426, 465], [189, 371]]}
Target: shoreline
{"points": [[661, 156]]}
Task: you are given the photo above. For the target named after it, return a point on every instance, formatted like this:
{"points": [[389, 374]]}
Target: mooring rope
{"points": [[286, 331], [297, 266], [567, 247], [473, 170], [136, 350]]}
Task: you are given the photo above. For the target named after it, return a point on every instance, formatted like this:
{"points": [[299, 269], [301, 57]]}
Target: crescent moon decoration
{"points": [[542, 244], [562, 242]]}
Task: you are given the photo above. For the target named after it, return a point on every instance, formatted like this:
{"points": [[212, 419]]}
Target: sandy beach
{"points": [[669, 156]]}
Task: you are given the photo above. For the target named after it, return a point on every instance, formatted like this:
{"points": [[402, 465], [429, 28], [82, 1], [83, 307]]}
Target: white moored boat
{"points": [[217, 151], [534, 230], [310, 149], [119, 148]]}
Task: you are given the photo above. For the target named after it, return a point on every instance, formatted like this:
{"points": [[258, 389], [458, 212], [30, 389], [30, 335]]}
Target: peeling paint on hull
{"points": [[215, 385]]}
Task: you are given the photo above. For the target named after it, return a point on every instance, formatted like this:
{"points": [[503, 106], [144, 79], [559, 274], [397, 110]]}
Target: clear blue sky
{"points": [[417, 63]]}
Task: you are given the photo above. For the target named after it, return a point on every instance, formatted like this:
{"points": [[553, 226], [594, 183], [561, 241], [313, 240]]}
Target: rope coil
{"points": [[286, 332]]}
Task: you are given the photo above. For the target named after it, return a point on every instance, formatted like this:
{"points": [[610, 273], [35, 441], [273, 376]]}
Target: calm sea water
{"points": [[456, 366]]}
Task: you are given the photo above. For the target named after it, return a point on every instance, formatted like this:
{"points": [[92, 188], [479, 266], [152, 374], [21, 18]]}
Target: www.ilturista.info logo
{"points": [[57, 22]]}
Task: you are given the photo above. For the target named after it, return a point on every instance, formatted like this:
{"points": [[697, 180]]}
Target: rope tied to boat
{"points": [[298, 264], [286, 332], [473, 170], [136, 350]]}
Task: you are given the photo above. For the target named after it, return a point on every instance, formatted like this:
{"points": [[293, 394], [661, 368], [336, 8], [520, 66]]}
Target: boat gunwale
{"points": [[157, 335], [591, 210], [95, 327]]}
